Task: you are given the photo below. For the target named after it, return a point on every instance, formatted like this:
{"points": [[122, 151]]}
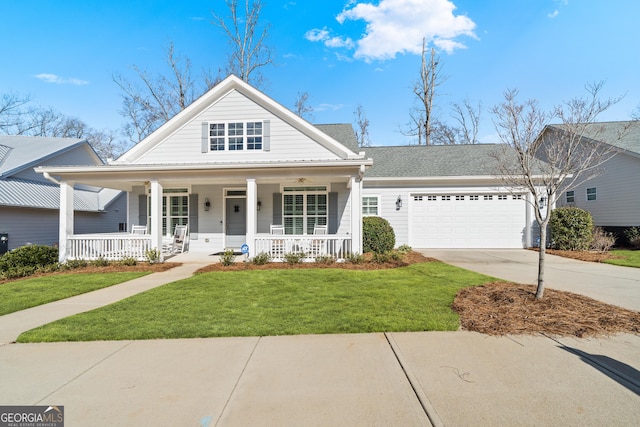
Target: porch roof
{"points": [[125, 176]]}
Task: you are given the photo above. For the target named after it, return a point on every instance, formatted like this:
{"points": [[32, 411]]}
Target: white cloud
{"points": [[398, 26], [324, 36], [53, 78], [329, 107], [554, 14]]}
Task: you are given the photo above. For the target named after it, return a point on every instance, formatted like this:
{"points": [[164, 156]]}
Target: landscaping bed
{"points": [[501, 308]]}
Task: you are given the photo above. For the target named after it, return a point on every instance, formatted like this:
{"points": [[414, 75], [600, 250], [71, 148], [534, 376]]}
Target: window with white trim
{"points": [[304, 208], [473, 197], [370, 205], [571, 196], [502, 197], [175, 209], [591, 194], [432, 198], [235, 136]]}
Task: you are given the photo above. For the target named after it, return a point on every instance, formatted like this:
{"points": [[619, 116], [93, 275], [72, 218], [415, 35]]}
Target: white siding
{"points": [[618, 193], [184, 146]]}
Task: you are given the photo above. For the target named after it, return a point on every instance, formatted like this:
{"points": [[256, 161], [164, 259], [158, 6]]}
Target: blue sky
{"points": [[344, 53]]}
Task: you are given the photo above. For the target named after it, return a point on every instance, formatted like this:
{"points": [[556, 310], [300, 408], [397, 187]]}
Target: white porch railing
{"points": [[313, 246], [110, 247]]}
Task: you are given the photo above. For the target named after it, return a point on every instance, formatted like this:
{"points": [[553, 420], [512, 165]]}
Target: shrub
{"points": [[381, 257], [377, 235], [228, 257], [128, 261], [325, 259], [633, 236], [31, 256], [153, 256], [100, 262], [571, 228], [602, 240], [354, 258], [75, 263], [261, 259], [404, 249], [294, 257]]}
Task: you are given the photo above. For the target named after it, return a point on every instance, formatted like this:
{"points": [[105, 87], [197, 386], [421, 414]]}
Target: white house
{"points": [[29, 204], [235, 165], [613, 198]]}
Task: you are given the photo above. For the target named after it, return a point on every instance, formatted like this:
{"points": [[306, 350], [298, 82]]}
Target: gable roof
{"points": [[229, 84], [21, 153], [623, 134], [18, 153], [343, 133], [415, 161]]}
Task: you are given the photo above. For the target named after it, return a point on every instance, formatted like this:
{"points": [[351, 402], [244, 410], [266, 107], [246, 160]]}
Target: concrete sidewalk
{"points": [[13, 324], [608, 283], [407, 379]]}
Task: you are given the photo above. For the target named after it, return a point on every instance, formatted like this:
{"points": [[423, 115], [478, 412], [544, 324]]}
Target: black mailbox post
{"points": [[4, 243]]}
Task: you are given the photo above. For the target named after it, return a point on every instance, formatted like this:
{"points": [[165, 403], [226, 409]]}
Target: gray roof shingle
{"points": [[431, 160], [341, 132], [623, 134]]}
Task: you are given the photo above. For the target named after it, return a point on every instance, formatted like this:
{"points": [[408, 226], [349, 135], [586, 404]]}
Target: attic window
{"points": [[235, 136]]}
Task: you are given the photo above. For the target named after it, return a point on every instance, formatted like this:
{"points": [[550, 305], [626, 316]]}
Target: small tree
{"points": [[548, 160]]}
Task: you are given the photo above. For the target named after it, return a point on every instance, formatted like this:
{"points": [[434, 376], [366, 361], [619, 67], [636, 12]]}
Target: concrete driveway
{"points": [[608, 283]]}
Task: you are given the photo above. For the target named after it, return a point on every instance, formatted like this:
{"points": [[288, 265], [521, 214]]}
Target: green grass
{"points": [[630, 258], [27, 293], [277, 302]]}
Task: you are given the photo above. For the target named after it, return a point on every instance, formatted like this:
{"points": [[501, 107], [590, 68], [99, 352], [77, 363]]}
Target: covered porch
{"points": [[273, 208]]}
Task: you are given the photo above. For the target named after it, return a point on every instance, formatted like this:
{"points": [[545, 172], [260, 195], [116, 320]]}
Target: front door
{"points": [[236, 222]]}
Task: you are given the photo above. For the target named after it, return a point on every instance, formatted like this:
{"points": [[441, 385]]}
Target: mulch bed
{"points": [[590, 256], [500, 308], [368, 264]]}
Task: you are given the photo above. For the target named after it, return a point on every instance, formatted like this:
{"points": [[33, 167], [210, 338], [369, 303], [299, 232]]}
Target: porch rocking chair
{"points": [[277, 246], [178, 242]]}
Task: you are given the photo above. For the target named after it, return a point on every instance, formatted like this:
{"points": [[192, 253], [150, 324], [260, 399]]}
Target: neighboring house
{"points": [[235, 165], [29, 203], [613, 198]]}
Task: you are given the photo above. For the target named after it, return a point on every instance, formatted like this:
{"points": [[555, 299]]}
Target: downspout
{"points": [[50, 178]]}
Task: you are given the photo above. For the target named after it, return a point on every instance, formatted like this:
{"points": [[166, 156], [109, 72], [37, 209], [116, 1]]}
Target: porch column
{"points": [[66, 219], [156, 215], [356, 214], [252, 215]]}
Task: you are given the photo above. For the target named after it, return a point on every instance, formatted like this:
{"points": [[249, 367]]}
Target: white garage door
{"points": [[467, 221]]}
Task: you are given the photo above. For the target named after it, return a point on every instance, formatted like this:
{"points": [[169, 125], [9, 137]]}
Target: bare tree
{"points": [[11, 111], [302, 108], [546, 160], [443, 134], [362, 127], [468, 117], [249, 51], [422, 116], [157, 98]]}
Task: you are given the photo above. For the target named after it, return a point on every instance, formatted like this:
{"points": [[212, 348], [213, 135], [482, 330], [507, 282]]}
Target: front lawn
{"points": [[26, 293], [625, 258], [417, 297]]}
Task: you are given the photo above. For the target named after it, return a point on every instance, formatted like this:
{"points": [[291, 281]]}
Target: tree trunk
{"points": [[541, 253]]}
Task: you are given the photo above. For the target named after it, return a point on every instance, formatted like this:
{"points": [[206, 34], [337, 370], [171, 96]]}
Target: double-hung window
{"points": [[235, 136], [304, 208], [591, 194], [370, 206], [571, 196]]}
